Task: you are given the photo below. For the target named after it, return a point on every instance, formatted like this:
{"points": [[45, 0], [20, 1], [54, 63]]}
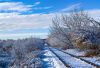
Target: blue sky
{"points": [[25, 18]]}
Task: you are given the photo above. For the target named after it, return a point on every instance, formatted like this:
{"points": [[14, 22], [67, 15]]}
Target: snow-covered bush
{"points": [[6, 46], [22, 49], [76, 29], [58, 41]]}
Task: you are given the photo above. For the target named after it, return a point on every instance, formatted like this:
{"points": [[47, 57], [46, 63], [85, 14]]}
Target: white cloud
{"points": [[36, 3], [11, 21], [14, 6], [95, 13], [21, 36], [39, 8], [71, 7]]}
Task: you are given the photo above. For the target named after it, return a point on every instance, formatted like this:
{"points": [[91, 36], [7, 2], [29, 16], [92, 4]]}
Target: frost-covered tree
{"points": [[77, 29]]}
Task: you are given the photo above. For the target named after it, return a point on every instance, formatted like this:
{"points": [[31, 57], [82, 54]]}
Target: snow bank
{"points": [[75, 52]]}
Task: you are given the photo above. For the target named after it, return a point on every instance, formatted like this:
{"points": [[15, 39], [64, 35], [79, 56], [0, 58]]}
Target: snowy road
{"points": [[72, 61], [94, 60], [50, 60]]}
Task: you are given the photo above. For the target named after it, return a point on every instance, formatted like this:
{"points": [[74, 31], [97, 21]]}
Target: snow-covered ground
{"points": [[75, 52], [72, 61], [95, 59], [52, 61]]}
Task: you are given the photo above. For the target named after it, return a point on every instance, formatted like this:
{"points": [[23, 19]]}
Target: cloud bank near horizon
{"points": [[11, 18]]}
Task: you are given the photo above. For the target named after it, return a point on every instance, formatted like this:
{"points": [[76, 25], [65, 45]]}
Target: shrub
{"points": [[90, 53]]}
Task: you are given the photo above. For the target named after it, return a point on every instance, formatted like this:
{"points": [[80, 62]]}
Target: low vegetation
{"points": [[23, 52]]}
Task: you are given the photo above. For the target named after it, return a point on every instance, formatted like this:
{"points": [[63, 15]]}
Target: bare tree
{"points": [[79, 24]]}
